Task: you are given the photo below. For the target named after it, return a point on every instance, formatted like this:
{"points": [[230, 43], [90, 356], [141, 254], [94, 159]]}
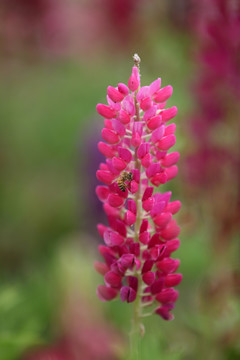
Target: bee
{"points": [[124, 176]]}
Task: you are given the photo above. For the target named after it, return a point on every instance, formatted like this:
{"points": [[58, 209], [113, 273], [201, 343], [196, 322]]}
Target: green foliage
{"points": [[26, 307]]}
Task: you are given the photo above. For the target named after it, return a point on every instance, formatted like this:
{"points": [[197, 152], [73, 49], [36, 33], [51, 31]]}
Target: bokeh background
{"points": [[57, 58]]}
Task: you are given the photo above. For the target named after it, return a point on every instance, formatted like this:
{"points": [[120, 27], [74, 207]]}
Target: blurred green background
{"points": [[57, 59]]}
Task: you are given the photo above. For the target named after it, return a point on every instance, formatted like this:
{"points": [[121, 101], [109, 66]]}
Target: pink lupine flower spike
{"points": [[142, 234]]}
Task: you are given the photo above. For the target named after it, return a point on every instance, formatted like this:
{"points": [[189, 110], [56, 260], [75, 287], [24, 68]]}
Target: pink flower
{"points": [[142, 233]]}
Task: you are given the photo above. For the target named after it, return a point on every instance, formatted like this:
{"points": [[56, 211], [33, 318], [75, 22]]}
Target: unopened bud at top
{"points": [[134, 80]]}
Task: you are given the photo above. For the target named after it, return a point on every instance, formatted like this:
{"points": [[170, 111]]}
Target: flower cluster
{"points": [[142, 234]]}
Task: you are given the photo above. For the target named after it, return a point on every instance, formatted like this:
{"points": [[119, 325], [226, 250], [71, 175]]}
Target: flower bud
{"points": [[106, 111], [134, 80]]}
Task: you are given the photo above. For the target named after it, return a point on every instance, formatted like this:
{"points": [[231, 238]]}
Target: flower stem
{"points": [[135, 332]]}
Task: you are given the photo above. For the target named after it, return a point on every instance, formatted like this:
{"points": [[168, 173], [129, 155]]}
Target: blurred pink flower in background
{"points": [[212, 168], [122, 20], [218, 28], [31, 26], [65, 27], [214, 162], [83, 335]]}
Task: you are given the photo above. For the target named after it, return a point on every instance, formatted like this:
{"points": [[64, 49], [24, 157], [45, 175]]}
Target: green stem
{"points": [[135, 333]]}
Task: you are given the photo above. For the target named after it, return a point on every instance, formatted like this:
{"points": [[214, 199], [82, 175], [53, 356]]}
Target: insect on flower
{"points": [[124, 176]]}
